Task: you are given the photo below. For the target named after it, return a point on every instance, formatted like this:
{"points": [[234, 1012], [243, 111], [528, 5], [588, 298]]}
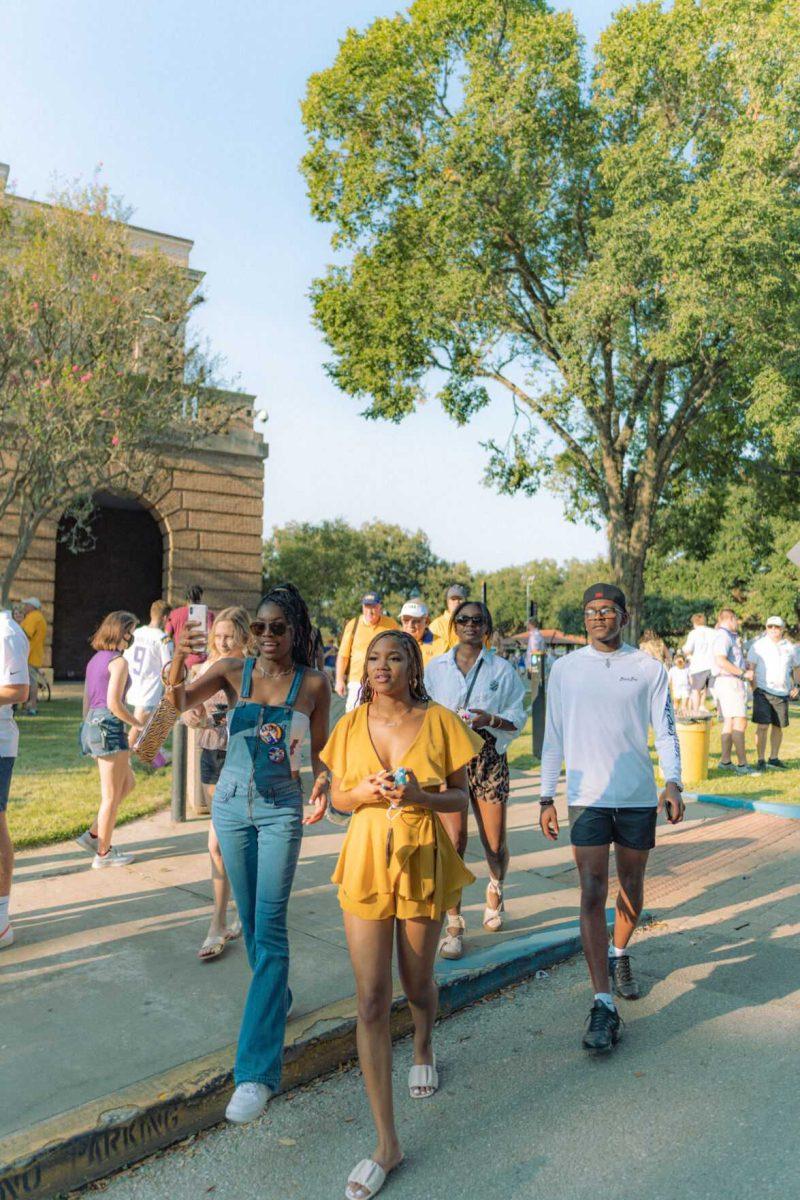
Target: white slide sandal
{"points": [[423, 1075], [367, 1174]]}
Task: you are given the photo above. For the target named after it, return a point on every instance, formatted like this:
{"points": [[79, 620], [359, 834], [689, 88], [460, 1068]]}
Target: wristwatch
{"points": [[546, 802], [674, 783]]}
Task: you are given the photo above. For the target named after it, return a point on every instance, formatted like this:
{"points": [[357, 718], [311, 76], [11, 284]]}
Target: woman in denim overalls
{"points": [[276, 699]]}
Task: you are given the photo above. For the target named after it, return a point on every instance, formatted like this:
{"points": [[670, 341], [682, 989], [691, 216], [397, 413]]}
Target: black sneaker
{"points": [[603, 1029], [761, 765], [622, 981], [725, 766], [775, 762]]}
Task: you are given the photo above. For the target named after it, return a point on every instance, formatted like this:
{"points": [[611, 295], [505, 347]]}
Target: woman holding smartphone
{"points": [[229, 638], [398, 762], [277, 702], [490, 695]]}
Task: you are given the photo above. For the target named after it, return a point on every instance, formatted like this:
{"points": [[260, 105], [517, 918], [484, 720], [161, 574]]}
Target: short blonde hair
{"points": [[239, 618]]}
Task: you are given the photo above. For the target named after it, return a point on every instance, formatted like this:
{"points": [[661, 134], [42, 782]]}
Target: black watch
{"points": [[546, 803]]}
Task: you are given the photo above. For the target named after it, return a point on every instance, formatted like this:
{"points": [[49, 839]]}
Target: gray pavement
{"points": [[700, 1100]]}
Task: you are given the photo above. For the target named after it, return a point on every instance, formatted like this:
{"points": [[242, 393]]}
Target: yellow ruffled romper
{"points": [[407, 866]]}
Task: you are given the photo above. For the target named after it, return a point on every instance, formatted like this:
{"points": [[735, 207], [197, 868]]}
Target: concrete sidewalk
{"points": [[109, 1014]]}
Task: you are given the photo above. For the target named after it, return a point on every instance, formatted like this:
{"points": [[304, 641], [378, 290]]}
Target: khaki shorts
{"points": [[731, 697]]}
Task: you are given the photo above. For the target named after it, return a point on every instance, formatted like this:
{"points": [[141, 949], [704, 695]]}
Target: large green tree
{"points": [[617, 250], [101, 383]]}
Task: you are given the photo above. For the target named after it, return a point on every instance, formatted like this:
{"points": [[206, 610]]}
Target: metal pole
{"points": [[484, 592], [179, 738]]}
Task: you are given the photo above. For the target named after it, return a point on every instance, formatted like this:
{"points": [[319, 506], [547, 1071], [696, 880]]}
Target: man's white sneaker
{"points": [[87, 841], [114, 858], [6, 937], [247, 1102]]}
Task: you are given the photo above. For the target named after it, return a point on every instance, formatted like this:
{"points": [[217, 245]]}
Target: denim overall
{"points": [[257, 815]]}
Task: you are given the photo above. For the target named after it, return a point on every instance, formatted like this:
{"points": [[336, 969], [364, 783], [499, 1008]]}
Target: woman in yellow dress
{"points": [[397, 760]]}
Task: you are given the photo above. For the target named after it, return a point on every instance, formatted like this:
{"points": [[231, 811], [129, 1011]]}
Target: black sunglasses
{"points": [[276, 628], [465, 620]]}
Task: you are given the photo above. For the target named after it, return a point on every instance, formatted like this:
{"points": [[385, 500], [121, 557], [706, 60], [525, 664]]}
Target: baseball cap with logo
{"points": [[371, 598], [414, 608], [605, 591], [779, 621]]}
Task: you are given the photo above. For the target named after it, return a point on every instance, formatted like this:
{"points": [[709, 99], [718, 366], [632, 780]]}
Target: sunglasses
{"points": [[464, 620], [590, 614], [276, 628]]}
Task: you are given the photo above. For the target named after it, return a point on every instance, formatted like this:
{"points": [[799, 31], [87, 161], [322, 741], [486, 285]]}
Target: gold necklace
{"points": [[273, 674]]}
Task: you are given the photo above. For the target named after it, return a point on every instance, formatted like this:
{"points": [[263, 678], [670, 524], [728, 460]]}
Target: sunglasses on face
{"points": [[276, 628], [465, 620]]}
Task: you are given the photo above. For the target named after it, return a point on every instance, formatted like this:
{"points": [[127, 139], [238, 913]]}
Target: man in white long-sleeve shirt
{"points": [[601, 702]]}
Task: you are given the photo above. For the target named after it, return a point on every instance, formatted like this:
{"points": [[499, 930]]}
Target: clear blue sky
{"points": [[192, 106]]}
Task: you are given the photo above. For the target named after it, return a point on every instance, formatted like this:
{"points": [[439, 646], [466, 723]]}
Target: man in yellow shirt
{"points": [[414, 619], [35, 629], [357, 636], [440, 627]]}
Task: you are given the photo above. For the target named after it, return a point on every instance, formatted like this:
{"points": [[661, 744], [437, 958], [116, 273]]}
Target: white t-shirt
{"points": [[699, 645], [599, 711], [147, 655], [773, 662], [13, 671], [679, 678]]}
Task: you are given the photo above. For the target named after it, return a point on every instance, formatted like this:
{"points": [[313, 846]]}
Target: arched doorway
{"points": [[122, 570]]}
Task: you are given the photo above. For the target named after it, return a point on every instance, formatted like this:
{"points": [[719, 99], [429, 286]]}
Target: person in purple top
{"points": [[104, 735]]}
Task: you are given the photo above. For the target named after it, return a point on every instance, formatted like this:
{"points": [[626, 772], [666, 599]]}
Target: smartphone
{"points": [[198, 615]]}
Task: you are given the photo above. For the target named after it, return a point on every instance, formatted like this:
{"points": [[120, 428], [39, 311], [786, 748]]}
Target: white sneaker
{"points": [[247, 1102], [114, 858], [87, 841], [6, 937]]}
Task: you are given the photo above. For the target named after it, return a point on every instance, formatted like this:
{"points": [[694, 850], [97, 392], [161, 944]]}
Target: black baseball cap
{"points": [[605, 591], [371, 598]]}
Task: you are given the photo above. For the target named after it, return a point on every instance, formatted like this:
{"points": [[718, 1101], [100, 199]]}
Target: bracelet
{"points": [[168, 667]]}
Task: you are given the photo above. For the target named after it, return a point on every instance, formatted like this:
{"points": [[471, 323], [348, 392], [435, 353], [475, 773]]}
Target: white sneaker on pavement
{"points": [[114, 858], [247, 1102], [88, 841], [6, 937]]}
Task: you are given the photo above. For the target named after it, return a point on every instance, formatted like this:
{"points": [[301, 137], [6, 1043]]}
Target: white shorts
{"points": [[353, 693], [731, 697]]}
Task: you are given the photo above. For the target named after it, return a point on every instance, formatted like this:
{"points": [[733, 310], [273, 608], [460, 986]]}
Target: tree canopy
{"points": [[98, 375], [615, 248]]}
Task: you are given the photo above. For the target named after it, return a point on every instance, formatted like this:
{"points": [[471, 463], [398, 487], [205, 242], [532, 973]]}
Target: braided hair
{"points": [[416, 669], [295, 610]]}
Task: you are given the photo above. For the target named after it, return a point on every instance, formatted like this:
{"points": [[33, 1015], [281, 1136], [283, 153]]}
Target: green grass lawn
{"points": [[55, 791], [779, 787]]}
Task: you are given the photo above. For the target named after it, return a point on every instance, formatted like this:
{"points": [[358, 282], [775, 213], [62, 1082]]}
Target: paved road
{"points": [[699, 1102]]}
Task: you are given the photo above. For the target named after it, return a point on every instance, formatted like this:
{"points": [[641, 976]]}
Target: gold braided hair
{"points": [[416, 669]]}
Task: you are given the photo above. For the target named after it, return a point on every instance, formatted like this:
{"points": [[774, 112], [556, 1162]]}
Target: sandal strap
{"points": [[423, 1075], [454, 921], [496, 886], [369, 1174]]}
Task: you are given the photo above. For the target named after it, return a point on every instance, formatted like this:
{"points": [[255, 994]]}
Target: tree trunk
{"points": [[26, 532], [628, 555]]}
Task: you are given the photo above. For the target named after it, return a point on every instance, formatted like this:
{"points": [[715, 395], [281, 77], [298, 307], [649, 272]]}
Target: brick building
{"points": [[205, 526]]}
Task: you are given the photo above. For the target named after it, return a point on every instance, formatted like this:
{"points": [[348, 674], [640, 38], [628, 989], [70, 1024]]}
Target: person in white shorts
{"points": [[14, 680], [730, 691], [147, 655]]}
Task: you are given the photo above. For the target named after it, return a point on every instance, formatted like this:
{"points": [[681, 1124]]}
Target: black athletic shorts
{"points": [[595, 826], [211, 764], [769, 709]]}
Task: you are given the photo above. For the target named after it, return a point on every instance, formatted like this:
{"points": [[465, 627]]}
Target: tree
{"points": [[98, 377], [334, 564], [619, 252]]}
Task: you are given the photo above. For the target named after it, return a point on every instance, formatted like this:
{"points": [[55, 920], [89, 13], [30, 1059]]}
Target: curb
{"points": [[765, 806], [74, 1148]]}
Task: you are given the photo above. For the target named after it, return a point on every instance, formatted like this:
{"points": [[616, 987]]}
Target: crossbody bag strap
{"points": [[472, 684]]}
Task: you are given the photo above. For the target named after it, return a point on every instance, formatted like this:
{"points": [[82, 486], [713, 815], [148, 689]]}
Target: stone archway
{"points": [[124, 569]]}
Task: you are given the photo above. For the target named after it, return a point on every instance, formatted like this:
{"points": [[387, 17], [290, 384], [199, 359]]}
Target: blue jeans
{"points": [[260, 836]]}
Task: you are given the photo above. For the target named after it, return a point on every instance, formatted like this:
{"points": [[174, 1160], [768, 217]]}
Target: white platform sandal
{"points": [[493, 917], [452, 944], [367, 1174], [423, 1075]]}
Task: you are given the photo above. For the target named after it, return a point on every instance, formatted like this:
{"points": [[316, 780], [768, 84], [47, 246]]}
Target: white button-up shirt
{"points": [[13, 672], [498, 690], [773, 662]]}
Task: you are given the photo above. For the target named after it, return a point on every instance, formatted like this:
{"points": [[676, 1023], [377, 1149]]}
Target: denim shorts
{"points": [[632, 827], [102, 733], [6, 767]]}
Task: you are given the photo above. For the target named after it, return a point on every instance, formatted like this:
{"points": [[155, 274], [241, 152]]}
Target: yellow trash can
{"points": [[694, 735]]}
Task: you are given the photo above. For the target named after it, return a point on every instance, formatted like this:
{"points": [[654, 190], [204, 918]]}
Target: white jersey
{"points": [[599, 710], [13, 672], [147, 655]]}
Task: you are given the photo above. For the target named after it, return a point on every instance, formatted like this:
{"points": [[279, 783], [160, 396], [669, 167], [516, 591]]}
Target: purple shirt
{"points": [[97, 677]]}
